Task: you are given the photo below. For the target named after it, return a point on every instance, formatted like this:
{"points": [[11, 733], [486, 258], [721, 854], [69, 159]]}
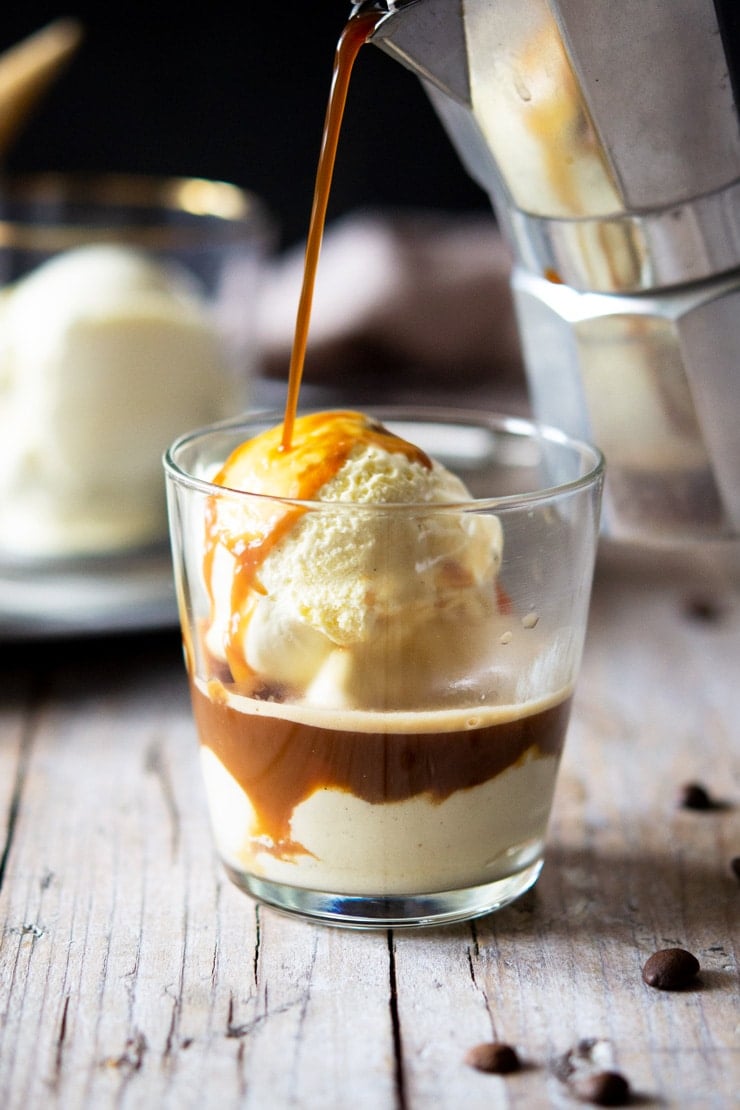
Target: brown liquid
{"points": [[355, 33], [280, 763]]}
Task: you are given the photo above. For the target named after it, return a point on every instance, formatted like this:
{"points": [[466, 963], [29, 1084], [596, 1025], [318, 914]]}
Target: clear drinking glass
{"points": [[399, 769]]}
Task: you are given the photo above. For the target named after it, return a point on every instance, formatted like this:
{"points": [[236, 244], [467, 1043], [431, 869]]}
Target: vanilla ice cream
{"points": [[374, 718], [105, 355], [345, 598]]}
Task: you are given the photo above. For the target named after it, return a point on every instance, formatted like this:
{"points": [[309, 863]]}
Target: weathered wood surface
{"points": [[133, 975]]}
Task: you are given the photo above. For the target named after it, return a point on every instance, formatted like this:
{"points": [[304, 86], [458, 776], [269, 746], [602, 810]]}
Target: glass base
{"points": [[386, 911]]}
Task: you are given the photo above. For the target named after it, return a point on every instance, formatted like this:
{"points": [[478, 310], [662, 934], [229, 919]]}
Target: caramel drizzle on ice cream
{"points": [[321, 444]]}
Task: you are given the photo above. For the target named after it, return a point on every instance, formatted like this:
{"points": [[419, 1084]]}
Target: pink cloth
{"points": [[417, 293]]}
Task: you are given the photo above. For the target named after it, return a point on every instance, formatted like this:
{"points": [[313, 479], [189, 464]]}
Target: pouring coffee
{"points": [[607, 139]]}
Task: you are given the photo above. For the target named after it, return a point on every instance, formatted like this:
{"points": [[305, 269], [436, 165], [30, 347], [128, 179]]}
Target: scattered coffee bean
{"points": [[670, 969], [695, 796], [703, 609], [494, 1057], [735, 866], [603, 1088]]}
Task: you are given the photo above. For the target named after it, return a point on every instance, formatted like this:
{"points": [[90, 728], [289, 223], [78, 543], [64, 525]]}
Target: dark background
{"points": [[237, 94]]}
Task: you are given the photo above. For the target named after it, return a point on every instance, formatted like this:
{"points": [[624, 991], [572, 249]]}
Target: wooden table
{"points": [[132, 974]]}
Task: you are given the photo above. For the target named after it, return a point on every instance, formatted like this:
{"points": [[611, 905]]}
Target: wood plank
{"points": [[627, 873], [132, 973], [143, 973], [16, 699]]}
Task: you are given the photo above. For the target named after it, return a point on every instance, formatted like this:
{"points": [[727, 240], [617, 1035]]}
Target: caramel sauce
{"points": [[321, 443], [280, 763]]}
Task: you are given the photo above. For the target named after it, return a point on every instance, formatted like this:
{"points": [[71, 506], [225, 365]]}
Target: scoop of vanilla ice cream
{"points": [[105, 355], [361, 606]]}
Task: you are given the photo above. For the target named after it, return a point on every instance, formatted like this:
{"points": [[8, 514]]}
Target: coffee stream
{"points": [[355, 34], [284, 762]]}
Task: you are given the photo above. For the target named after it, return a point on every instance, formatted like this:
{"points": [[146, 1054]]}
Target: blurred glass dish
{"points": [[127, 314], [94, 595]]}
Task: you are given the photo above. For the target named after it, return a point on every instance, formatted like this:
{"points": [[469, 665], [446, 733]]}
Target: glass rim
{"points": [[236, 211], [521, 426]]}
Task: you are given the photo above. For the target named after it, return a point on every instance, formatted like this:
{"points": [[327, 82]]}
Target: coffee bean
{"points": [[603, 1088], [670, 969], [492, 1056], [695, 796], [703, 609]]}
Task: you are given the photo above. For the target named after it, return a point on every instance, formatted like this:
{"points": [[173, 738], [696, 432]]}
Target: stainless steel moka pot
{"points": [[606, 134]]}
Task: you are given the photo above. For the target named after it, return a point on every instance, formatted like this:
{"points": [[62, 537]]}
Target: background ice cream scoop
{"points": [[352, 606], [105, 354]]}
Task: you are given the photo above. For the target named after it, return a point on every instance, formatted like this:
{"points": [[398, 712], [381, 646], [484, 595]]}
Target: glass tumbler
{"points": [[389, 754]]}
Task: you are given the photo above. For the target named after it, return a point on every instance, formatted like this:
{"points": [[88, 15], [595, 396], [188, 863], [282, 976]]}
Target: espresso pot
{"points": [[606, 136]]}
